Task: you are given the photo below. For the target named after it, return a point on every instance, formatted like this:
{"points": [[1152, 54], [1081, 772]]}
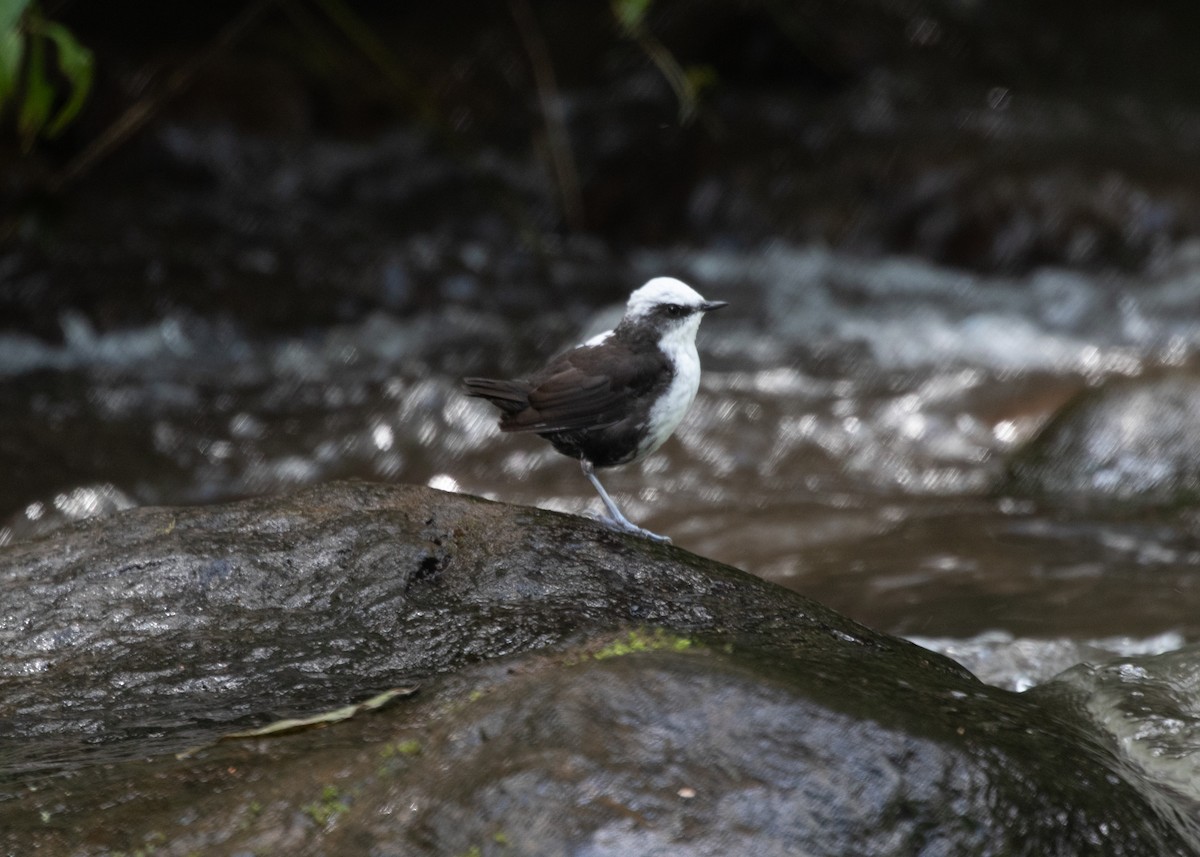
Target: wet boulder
{"points": [[580, 692], [1129, 443]]}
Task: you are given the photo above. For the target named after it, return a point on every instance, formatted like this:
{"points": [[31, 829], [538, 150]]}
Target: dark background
{"points": [[990, 136]]}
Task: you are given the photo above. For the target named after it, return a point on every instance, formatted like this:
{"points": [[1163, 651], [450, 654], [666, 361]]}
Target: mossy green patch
{"points": [[644, 641], [329, 807], [153, 841], [250, 812], [407, 747], [499, 838]]}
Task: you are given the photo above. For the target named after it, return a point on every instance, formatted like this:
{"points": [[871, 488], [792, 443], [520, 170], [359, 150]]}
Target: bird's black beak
{"points": [[709, 306]]}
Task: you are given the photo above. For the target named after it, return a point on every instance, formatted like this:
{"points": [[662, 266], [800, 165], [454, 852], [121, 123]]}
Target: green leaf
{"points": [[75, 62], [10, 14], [12, 47], [12, 50], [39, 96], [630, 13], [700, 77]]}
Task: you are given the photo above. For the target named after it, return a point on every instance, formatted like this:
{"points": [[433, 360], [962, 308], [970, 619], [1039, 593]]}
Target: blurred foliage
{"points": [[630, 14], [45, 73], [687, 83]]}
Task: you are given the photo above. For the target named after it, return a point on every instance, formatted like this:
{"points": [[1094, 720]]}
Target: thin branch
{"points": [[364, 39], [141, 111], [562, 159]]}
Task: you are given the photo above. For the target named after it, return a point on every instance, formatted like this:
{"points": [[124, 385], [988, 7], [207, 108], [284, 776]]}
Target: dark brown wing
{"points": [[585, 389], [508, 396]]}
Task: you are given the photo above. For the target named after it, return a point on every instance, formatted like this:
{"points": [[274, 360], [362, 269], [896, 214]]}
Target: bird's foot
{"points": [[634, 530]]}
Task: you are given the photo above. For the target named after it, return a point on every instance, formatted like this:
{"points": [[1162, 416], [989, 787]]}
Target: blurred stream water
{"points": [[854, 419], [853, 427], [240, 315]]}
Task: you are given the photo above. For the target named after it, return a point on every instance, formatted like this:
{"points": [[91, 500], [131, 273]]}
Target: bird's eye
{"points": [[676, 311]]}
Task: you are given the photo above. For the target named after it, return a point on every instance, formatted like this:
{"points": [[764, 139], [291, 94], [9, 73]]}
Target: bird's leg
{"points": [[615, 518]]}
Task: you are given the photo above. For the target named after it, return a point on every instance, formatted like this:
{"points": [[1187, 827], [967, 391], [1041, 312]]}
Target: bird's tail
{"points": [[509, 396]]}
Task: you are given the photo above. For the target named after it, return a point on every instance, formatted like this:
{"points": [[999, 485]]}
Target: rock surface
{"points": [[582, 693], [1131, 442]]}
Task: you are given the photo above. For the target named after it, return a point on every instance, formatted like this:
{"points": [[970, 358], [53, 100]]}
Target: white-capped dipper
{"points": [[619, 396]]}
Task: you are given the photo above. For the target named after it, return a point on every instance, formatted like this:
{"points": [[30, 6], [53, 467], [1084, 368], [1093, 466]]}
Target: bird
{"points": [[616, 398]]}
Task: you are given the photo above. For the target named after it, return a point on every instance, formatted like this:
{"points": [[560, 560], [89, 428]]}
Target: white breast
{"points": [[680, 347]]}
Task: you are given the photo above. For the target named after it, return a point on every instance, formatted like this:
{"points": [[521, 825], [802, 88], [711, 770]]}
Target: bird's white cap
{"points": [[659, 291]]}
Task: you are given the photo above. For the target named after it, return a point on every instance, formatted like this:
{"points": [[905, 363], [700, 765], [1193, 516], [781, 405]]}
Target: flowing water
{"points": [[215, 315], [853, 421], [850, 439]]}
